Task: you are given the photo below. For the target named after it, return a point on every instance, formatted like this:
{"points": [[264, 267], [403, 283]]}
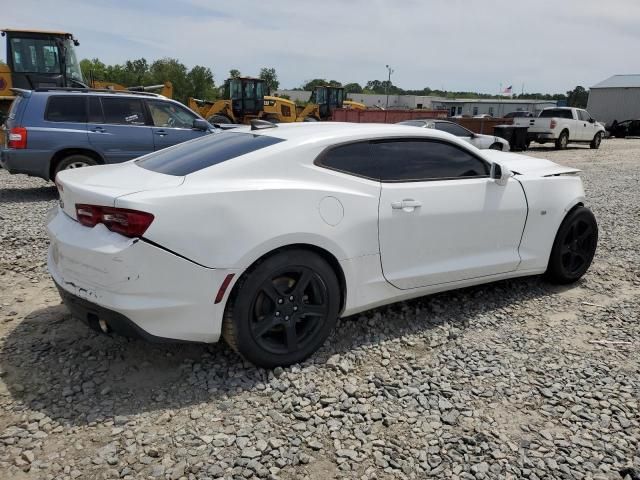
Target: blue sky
{"points": [[548, 45]]}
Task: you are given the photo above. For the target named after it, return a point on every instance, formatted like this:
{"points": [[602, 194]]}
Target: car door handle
{"points": [[408, 204], [97, 130], [161, 133]]}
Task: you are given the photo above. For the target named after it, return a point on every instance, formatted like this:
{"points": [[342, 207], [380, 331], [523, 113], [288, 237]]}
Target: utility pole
{"points": [[386, 89]]}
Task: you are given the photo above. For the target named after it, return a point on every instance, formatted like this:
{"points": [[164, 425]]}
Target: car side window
{"points": [[410, 160], [123, 111], [168, 114], [66, 108], [95, 110], [353, 158], [452, 128]]}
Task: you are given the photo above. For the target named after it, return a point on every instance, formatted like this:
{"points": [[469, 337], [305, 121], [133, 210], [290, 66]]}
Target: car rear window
{"points": [[66, 109], [198, 154], [558, 113], [13, 110]]}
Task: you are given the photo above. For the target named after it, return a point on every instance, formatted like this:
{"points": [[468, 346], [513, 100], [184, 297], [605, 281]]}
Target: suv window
{"points": [[354, 158], [123, 111], [416, 160], [204, 152], [66, 108], [13, 110], [452, 128], [584, 115], [95, 110], [168, 114]]}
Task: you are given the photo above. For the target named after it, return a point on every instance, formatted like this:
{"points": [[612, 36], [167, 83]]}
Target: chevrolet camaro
{"points": [[265, 236]]}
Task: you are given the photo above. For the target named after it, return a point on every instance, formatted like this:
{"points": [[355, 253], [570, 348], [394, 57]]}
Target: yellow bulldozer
{"points": [[47, 59]]}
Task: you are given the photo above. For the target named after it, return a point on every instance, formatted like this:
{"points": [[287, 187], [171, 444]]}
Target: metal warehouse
{"points": [[616, 98], [493, 107]]}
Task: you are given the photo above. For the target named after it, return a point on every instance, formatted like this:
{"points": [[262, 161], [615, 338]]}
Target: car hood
{"points": [[525, 165]]}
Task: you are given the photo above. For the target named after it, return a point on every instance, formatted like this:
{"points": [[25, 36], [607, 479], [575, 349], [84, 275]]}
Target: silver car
{"points": [[476, 139]]}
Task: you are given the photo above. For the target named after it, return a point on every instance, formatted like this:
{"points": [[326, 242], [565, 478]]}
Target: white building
{"points": [[616, 98], [461, 106]]}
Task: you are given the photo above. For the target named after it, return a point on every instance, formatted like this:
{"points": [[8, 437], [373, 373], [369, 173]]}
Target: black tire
{"points": [[597, 140], [562, 141], [310, 119], [74, 161], [219, 119], [574, 247], [274, 320], [496, 146]]}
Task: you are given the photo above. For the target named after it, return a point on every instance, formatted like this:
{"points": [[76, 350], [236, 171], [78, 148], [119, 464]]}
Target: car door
{"points": [[441, 218], [172, 123], [118, 127]]}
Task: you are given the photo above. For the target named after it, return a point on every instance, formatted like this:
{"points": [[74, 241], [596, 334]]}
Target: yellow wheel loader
{"points": [[243, 101], [324, 99]]}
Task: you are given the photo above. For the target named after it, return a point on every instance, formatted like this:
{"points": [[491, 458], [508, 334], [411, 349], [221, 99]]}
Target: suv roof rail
{"points": [[98, 90]]}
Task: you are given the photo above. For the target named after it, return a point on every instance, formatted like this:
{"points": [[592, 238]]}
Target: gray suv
{"points": [[48, 130]]}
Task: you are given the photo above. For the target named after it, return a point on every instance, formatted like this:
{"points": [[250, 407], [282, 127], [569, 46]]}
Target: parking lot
{"points": [[516, 379]]}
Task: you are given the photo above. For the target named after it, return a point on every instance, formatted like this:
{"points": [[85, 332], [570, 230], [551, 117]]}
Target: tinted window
{"points": [[584, 115], [195, 155], [556, 112], [95, 110], [352, 158], [413, 160], [13, 110], [123, 111], [452, 128], [35, 55], [66, 109]]}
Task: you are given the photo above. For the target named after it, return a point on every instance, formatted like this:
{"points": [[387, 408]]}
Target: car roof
{"points": [[91, 91], [335, 131]]}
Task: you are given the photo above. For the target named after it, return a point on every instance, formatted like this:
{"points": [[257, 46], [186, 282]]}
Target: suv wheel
{"points": [[74, 161]]}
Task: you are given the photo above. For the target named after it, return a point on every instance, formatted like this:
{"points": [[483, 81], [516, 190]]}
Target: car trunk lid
{"points": [[103, 184]]}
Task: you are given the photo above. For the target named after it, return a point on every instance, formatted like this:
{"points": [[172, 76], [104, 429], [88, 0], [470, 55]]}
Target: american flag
{"points": [[508, 90]]}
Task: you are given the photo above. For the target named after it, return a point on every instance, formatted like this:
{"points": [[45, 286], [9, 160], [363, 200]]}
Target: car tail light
{"points": [[17, 138], [130, 223], [553, 123]]}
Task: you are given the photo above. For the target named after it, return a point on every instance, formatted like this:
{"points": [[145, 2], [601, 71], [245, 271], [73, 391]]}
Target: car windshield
{"points": [[204, 152], [556, 112]]}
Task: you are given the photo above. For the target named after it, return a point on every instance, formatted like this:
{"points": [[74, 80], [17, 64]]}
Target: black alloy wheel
{"points": [[574, 246], [282, 309]]}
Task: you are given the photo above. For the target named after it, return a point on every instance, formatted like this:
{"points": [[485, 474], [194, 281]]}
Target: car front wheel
{"points": [[283, 309], [597, 140], [574, 247]]}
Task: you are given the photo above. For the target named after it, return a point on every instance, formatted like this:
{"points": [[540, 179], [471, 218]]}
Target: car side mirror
{"points": [[592, 120], [500, 174], [200, 124]]}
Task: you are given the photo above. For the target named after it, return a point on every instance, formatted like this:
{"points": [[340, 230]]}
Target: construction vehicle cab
{"points": [[243, 101], [327, 98], [42, 59]]}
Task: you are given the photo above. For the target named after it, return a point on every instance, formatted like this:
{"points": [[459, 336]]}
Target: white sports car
{"points": [[478, 140], [267, 236]]}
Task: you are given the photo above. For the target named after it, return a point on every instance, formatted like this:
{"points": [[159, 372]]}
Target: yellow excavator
{"points": [[324, 99], [46, 59]]}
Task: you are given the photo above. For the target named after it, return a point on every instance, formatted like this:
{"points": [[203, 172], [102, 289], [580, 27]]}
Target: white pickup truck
{"points": [[562, 125]]}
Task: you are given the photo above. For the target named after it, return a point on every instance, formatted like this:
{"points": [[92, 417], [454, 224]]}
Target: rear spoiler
{"points": [[21, 91]]}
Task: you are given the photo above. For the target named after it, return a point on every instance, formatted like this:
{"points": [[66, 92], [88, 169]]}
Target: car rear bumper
{"points": [[30, 162], [142, 289]]}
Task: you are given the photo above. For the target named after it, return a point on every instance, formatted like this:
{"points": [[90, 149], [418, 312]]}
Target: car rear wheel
{"points": [[597, 140], [74, 161], [282, 310], [574, 247], [562, 141], [219, 119]]}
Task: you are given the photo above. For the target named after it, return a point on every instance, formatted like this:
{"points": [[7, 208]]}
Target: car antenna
{"points": [[261, 124]]}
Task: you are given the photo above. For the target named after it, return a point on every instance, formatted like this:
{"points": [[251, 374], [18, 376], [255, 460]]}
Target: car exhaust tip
{"points": [[104, 326]]}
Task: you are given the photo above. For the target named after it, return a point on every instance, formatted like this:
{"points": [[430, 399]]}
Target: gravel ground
{"points": [[517, 379]]}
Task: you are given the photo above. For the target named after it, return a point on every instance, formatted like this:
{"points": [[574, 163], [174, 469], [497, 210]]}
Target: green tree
{"points": [[201, 84], [316, 82], [234, 73], [352, 88], [270, 77], [578, 97], [172, 70], [93, 68]]}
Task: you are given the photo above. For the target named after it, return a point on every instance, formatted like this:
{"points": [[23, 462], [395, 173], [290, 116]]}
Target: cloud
{"points": [[549, 46]]}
